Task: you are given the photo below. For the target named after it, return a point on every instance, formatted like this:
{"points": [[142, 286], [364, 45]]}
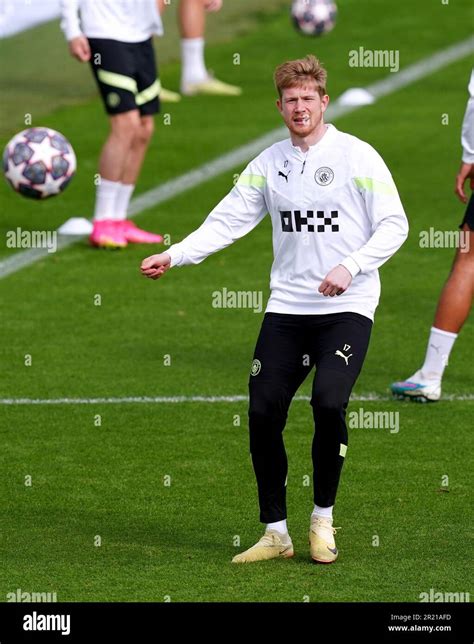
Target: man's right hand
{"points": [[156, 266], [80, 49]]}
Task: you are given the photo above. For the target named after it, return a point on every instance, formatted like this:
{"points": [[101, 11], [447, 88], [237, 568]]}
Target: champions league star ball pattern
{"points": [[314, 17], [39, 162]]}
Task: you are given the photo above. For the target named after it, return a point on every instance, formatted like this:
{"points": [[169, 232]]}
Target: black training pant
{"points": [[287, 349]]}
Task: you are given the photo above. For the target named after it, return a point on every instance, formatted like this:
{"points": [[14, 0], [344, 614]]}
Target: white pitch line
{"points": [[242, 154], [423, 68], [160, 400]]}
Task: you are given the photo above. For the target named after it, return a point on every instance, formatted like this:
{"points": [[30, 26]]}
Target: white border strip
{"points": [[240, 155], [159, 400]]}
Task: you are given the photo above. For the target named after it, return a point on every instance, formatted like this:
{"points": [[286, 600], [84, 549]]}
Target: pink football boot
{"points": [[106, 234], [136, 235]]}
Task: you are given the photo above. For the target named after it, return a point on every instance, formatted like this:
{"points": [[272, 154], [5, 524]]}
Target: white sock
{"points": [[105, 196], [122, 199], [437, 354], [324, 513], [193, 67], [279, 526]]}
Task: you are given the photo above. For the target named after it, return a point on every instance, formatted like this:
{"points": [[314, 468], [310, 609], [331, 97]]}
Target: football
{"points": [[314, 17], [39, 162]]}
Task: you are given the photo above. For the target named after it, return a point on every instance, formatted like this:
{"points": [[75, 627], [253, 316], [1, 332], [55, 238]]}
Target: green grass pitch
{"points": [[169, 488]]}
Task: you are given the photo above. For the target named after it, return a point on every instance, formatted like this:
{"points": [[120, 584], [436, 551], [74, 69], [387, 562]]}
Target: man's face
{"points": [[302, 108]]}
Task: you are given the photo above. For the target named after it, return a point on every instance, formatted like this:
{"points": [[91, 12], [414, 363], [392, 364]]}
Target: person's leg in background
{"points": [[195, 78], [136, 155], [124, 129], [455, 301], [452, 311], [131, 129]]}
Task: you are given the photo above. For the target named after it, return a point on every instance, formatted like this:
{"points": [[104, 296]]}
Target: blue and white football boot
{"points": [[417, 388]]}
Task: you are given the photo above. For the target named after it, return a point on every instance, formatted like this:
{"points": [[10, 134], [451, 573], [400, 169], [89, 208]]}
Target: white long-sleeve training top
{"points": [[124, 20], [335, 204], [467, 135]]}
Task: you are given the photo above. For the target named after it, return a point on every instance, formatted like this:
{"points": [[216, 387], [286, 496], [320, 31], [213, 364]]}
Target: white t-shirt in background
{"points": [[124, 20]]}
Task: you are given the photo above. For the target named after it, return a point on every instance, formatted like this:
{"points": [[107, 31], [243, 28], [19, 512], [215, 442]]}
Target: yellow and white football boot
{"points": [[321, 540], [211, 87], [271, 546]]}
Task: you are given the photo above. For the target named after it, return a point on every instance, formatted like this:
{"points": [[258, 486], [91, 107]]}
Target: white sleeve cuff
{"points": [[73, 33], [351, 265], [468, 157], [176, 255]]}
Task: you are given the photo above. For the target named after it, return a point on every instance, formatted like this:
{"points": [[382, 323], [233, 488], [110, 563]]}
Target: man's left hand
{"points": [[336, 281]]}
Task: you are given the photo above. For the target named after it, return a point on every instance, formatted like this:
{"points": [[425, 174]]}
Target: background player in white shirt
{"points": [[116, 38], [336, 218], [455, 302]]}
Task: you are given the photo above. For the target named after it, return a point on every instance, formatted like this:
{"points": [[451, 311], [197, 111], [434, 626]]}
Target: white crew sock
{"points": [[105, 196], [279, 526], [437, 354], [122, 199], [324, 513], [193, 67]]}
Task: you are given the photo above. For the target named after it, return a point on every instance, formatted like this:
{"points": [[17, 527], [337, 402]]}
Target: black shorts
{"points": [[126, 74], [469, 214]]}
